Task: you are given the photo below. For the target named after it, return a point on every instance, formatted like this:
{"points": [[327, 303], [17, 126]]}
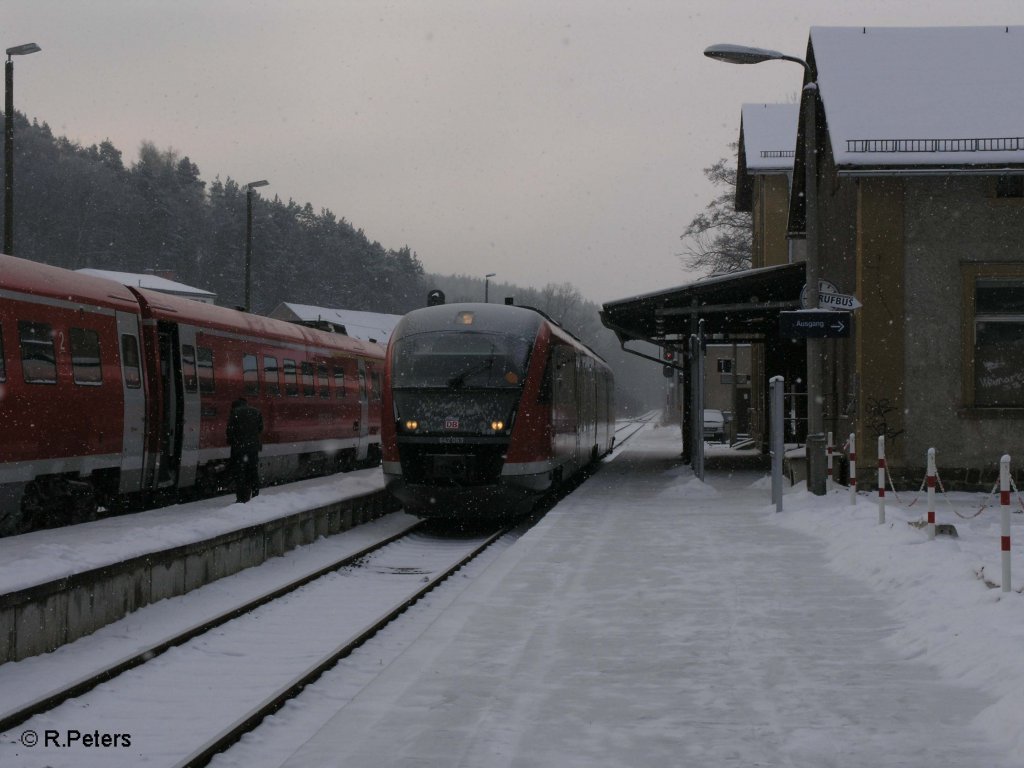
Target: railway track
{"points": [[237, 665], [232, 671]]}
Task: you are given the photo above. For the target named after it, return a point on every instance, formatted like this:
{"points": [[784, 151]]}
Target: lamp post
{"points": [[487, 283], [17, 50], [742, 54], [248, 239]]}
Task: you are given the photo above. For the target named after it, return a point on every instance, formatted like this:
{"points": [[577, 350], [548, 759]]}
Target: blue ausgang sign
{"points": [[814, 325]]}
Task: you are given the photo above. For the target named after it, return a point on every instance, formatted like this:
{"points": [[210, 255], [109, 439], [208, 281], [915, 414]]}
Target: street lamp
{"points": [[487, 280], [742, 54], [17, 50], [248, 239]]}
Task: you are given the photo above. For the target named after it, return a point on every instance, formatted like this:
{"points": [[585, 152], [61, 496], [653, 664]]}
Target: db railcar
{"points": [[112, 395], [488, 407]]}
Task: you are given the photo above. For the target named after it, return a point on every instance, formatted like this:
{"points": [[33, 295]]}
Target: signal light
{"points": [[668, 355]]}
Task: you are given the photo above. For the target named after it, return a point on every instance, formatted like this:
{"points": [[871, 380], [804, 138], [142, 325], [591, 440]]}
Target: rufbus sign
{"points": [[814, 324]]}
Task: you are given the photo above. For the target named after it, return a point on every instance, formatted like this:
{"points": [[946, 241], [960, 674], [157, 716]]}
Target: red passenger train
{"points": [[489, 406], [111, 394]]}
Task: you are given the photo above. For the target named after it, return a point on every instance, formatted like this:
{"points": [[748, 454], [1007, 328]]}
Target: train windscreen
{"points": [[457, 360]]}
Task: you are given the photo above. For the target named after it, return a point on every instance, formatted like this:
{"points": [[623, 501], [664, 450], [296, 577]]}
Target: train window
{"points": [[339, 383], [250, 374], [85, 357], [130, 362], [38, 360], [271, 384], [204, 364], [3, 360], [308, 389], [322, 381], [291, 382], [188, 367]]}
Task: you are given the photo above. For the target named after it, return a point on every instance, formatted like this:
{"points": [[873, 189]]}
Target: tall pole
{"points": [[815, 421], [487, 284], [18, 50], [248, 249], [742, 54], [9, 158], [248, 239]]}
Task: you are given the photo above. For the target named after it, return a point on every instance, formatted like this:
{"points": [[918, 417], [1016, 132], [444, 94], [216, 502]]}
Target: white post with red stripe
{"points": [[881, 479], [828, 478], [1004, 504], [932, 472], [853, 468]]}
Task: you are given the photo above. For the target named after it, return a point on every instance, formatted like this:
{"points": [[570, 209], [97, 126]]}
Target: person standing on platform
{"points": [[245, 426]]}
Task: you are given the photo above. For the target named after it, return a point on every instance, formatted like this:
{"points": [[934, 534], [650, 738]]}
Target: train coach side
{"points": [[112, 395], [72, 392]]}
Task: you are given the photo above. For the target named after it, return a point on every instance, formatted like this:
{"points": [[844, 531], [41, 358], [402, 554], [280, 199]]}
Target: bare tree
{"points": [[720, 238]]}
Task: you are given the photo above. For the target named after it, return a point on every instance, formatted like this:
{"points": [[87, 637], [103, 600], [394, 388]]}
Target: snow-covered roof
{"points": [[366, 326], [900, 96], [151, 282], [769, 136]]}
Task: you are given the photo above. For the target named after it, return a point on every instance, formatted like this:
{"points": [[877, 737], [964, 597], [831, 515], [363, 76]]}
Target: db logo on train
{"points": [[451, 423]]}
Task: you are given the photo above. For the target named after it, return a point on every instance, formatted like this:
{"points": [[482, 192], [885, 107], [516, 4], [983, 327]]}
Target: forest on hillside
{"points": [[78, 207]]}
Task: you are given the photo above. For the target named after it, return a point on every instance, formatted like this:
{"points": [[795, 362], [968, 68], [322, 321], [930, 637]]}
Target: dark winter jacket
{"points": [[245, 425]]}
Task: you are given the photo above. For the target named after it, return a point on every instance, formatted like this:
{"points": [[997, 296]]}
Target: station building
{"points": [[917, 164]]}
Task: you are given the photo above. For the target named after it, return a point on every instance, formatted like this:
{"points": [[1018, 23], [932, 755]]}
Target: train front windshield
{"points": [[460, 360]]}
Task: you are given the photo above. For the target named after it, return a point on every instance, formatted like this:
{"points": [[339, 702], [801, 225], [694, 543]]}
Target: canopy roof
{"points": [[740, 306]]}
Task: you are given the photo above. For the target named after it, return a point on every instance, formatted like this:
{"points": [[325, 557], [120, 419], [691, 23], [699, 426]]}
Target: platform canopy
{"points": [[740, 306]]}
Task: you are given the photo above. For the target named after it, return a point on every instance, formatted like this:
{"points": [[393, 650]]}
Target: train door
{"points": [[179, 417], [364, 415], [133, 443]]}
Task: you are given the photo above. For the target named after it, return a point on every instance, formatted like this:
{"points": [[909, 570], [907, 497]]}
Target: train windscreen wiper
{"points": [[457, 381]]}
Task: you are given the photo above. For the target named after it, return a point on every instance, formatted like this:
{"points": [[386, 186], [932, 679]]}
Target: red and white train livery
{"points": [[487, 407], [110, 394]]}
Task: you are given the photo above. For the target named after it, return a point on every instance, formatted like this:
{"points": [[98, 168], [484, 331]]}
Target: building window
{"points": [[38, 359], [1009, 187], [85, 357], [994, 370]]}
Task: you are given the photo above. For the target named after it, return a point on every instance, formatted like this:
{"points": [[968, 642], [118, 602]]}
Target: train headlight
{"points": [[412, 425], [497, 426]]}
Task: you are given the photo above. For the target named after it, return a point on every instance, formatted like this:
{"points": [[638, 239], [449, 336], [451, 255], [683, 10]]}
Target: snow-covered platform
{"points": [[61, 584], [654, 620]]}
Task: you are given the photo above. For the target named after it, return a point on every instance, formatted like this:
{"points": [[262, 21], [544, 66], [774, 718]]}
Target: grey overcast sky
{"points": [[543, 140]]}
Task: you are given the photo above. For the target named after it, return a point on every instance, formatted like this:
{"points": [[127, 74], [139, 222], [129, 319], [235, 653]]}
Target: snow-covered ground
{"points": [[43, 556], [654, 620]]}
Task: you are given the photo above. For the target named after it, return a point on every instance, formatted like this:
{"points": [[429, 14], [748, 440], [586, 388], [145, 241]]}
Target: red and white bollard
{"points": [[881, 479], [828, 451], [932, 472], [1004, 505], [853, 468]]}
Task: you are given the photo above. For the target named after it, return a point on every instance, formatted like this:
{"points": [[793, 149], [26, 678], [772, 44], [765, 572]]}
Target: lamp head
{"points": [[21, 50], [741, 54], [254, 184]]}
